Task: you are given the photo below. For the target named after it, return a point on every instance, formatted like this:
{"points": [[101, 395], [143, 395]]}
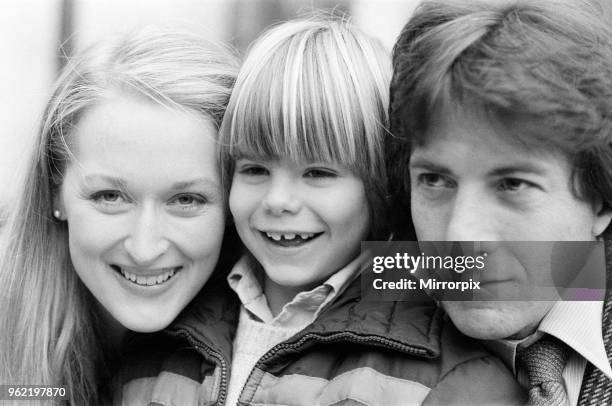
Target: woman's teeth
{"points": [[149, 280], [289, 236]]}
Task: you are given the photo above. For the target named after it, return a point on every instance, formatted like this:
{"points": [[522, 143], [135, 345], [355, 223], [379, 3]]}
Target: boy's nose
{"points": [[470, 218], [281, 196], [146, 242]]}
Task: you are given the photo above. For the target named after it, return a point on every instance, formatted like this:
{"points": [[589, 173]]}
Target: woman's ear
{"points": [[603, 216], [58, 207]]}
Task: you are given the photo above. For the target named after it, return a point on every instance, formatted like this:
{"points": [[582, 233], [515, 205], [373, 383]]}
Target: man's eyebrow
{"points": [[420, 163], [113, 181], [521, 167]]}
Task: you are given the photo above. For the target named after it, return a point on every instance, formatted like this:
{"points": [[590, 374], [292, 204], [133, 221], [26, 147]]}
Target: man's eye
{"points": [[433, 180], [513, 184], [319, 173]]}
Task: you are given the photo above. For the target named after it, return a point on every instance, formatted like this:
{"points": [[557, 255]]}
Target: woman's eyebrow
{"points": [[203, 181], [114, 181]]}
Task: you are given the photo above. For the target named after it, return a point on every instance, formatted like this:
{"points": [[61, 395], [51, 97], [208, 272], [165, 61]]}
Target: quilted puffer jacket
{"points": [[355, 353]]}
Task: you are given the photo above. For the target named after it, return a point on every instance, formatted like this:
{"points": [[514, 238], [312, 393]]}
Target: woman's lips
{"points": [[146, 277]]}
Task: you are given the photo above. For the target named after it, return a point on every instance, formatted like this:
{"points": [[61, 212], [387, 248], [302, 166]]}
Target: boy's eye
{"points": [[253, 170], [315, 173], [434, 180]]}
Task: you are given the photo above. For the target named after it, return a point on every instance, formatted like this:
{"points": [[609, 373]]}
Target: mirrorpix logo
{"points": [[432, 264], [485, 270], [428, 266]]}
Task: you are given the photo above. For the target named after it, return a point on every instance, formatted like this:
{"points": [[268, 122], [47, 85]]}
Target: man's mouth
{"points": [[284, 239], [160, 276]]}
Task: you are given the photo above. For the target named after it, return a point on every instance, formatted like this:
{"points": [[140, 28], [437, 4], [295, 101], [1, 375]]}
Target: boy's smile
{"points": [[290, 239], [289, 243], [302, 222]]}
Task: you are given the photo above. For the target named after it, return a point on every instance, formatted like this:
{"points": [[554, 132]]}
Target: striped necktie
{"points": [[596, 387], [544, 362]]}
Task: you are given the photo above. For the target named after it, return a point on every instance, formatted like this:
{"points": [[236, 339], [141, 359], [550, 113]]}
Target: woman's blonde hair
{"points": [[313, 89], [48, 320]]}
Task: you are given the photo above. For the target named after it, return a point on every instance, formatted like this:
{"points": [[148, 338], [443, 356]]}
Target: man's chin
{"points": [[495, 320]]}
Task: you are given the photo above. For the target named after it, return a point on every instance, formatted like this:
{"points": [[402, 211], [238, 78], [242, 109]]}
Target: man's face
{"points": [[470, 183]]}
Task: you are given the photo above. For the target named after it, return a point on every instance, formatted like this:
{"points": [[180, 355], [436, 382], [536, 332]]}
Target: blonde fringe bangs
{"points": [[312, 91]]}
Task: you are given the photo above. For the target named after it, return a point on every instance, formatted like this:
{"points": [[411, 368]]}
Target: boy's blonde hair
{"points": [[313, 89]]}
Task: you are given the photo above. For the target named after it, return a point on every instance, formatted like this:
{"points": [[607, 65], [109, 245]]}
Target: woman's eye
{"points": [[107, 196], [433, 180], [188, 201], [319, 173], [110, 201], [513, 184]]}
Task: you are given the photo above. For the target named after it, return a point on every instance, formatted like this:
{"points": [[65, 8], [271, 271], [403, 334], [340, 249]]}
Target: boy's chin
{"points": [[294, 276], [294, 284], [495, 320]]}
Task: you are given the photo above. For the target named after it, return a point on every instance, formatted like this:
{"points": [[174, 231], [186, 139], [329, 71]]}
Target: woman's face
{"points": [[145, 208]]}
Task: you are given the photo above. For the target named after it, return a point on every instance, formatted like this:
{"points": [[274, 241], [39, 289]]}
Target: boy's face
{"points": [[469, 184], [302, 222]]}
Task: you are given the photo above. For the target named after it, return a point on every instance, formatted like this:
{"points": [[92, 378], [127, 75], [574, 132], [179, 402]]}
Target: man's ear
{"points": [[603, 216]]}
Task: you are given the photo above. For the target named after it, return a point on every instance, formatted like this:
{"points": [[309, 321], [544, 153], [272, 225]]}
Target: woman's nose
{"points": [[146, 242]]}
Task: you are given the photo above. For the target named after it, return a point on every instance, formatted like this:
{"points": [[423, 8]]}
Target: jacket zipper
{"points": [[213, 354], [350, 337], [341, 336]]}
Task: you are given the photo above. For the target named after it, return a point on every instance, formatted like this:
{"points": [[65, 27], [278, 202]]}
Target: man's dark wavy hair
{"points": [[542, 61]]}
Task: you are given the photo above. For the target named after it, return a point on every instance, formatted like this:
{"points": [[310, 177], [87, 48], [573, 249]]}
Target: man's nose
{"points": [[471, 217]]}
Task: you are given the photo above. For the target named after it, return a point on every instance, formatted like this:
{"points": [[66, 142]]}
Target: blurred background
{"points": [[37, 35]]}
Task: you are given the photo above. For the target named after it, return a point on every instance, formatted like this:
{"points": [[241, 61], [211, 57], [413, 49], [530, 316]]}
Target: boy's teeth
{"points": [[148, 280], [288, 236], [274, 236]]}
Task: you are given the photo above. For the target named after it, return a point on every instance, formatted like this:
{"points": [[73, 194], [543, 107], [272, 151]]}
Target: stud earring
{"points": [[57, 214]]}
